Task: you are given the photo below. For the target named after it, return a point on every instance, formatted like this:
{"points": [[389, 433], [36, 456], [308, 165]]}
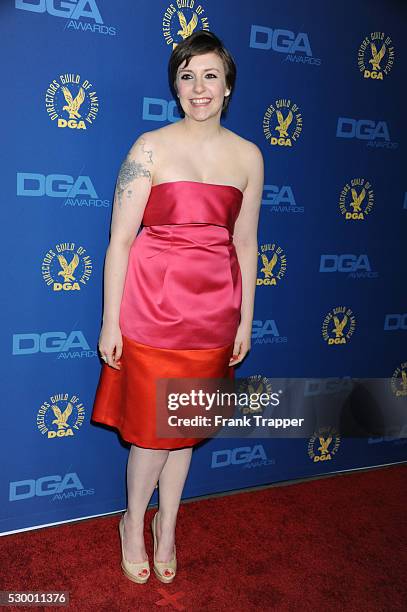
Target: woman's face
{"points": [[201, 86]]}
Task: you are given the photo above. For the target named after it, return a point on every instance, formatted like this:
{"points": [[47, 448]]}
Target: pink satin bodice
{"points": [[183, 286]]}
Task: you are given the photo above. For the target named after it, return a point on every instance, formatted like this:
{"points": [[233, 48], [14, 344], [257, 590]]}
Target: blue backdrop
{"points": [[319, 91]]}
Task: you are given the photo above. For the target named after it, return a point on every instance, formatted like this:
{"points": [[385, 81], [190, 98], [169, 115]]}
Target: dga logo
{"points": [[74, 10], [77, 191], [355, 266], [282, 123], [356, 199], [399, 381], [70, 345], [376, 133], [395, 321], [296, 46], [181, 19], [67, 267], [72, 101], [158, 109], [274, 264], [316, 387], [60, 487], [280, 199], [376, 56], [253, 385], [245, 456], [396, 435], [61, 416], [323, 444], [266, 332], [338, 326]]}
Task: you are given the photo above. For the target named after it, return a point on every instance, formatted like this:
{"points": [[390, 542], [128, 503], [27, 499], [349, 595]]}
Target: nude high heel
{"points": [[137, 572], [164, 570]]}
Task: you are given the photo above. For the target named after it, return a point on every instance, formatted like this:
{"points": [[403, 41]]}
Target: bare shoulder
{"points": [[146, 138], [250, 159], [144, 153], [155, 138], [244, 145], [247, 151], [151, 146]]}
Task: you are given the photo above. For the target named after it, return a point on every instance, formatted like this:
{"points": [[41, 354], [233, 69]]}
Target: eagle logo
{"points": [[357, 199], [256, 389], [73, 105], [68, 269], [339, 325], [61, 419], [283, 124], [268, 265], [324, 442], [399, 381], [187, 28], [259, 388], [377, 56]]}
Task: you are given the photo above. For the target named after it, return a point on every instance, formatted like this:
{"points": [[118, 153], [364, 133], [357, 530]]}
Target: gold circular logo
{"points": [[60, 416], [72, 102], [273, 264], [356, 199], [253, 386], [338, 326], [282, 123], [181, 19], [323, 444], [376, 56], [399, 380], [66, 267]]}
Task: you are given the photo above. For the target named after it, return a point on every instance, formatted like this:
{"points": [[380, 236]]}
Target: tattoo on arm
{"points": [[130, 170], [149, 154]]}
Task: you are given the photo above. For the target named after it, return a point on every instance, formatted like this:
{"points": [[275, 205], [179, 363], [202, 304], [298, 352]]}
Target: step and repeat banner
{"points": [[319, 90]]}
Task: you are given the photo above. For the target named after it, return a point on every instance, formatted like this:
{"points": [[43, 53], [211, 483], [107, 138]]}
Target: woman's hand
{"points": [[242, 343], [111, 345]]}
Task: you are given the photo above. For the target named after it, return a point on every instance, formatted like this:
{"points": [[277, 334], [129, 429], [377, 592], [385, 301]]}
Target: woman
{"points": [[178, 299]]}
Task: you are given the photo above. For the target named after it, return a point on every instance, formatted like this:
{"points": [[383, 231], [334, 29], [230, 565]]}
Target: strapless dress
{"points": [[180, 308]]}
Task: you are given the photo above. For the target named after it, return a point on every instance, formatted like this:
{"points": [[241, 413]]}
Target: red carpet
{"points": [[333, 544]]}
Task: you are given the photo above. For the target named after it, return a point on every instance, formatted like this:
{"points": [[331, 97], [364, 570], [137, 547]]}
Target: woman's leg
{"points": [[171, 484], [143, 470]]}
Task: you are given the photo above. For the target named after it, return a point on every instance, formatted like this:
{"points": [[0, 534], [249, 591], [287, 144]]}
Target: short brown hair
{"points": [[199, 43]]}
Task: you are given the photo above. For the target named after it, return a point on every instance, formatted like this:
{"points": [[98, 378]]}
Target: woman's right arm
{"points": [[133, 188]]}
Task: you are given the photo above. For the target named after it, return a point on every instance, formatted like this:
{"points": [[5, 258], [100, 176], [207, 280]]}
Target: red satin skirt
{"points": [[127, 400]]}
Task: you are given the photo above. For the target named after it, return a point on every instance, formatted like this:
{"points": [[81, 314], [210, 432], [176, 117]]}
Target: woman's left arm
{"points": [[245, 241]]}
